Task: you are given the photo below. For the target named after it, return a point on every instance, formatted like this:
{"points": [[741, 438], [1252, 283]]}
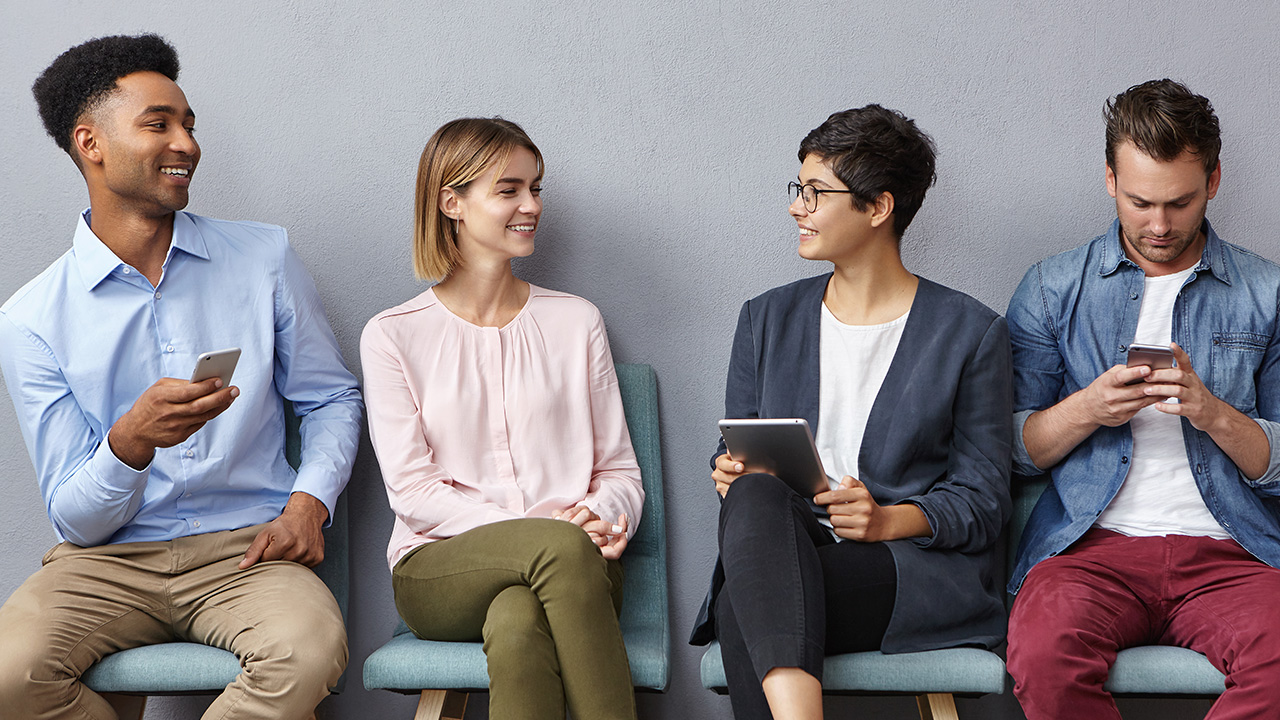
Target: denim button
{"points": [[1124, 459]]}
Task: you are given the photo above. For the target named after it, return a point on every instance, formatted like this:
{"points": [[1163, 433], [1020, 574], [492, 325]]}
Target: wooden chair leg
{"points": [[128, 707], [441, 705], [937, 706]]}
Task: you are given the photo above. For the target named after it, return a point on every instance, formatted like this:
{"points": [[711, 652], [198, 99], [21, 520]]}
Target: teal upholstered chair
{"points": [[934, 677], [179, 668], [1147, 671], [443, 672]]}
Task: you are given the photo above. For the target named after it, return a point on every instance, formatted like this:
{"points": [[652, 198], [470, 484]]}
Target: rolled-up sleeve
{"points": [[1038, 366], [968, 508]]}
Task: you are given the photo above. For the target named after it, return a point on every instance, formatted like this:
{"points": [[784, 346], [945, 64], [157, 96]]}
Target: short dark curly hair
{"points": [[873, 150], [84, 76]]}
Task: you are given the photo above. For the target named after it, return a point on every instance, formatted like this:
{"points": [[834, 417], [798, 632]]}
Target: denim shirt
{"points": [[1073, 317]]}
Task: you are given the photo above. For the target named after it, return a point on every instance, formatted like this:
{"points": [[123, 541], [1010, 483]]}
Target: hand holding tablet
{"points": [[782, 447]]}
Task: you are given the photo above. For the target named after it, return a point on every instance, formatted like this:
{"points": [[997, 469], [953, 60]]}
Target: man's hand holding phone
{"points": [[167, 413]]}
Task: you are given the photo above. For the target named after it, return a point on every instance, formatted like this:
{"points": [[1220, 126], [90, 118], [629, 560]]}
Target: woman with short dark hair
{"points": [[907, 385]]}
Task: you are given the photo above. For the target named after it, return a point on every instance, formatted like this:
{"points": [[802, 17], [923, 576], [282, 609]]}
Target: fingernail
{"points": [[235, 392], [616, 529], [217, 383], [738, 467]]}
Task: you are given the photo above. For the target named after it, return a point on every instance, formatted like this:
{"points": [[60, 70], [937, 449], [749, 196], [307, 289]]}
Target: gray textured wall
{"points": [[669, 132]]}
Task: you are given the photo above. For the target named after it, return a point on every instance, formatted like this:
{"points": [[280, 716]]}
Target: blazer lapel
{"points": [[903, 370]]}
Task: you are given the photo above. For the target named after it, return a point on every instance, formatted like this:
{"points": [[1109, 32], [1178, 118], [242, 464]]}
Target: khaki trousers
{"points": [[545, 603], [85, 603]]}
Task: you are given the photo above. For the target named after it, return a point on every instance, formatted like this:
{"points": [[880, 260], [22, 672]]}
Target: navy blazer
{"points": [[939, 436]]}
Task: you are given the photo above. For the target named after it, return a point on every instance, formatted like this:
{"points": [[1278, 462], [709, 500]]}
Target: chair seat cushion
{"points": [[1164, 670], [166, 668], [408, 664], [954, 670]]}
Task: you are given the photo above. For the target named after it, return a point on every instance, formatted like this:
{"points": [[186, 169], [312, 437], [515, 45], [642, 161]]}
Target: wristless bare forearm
{"points": [[1237, 435], [1055, 431]]}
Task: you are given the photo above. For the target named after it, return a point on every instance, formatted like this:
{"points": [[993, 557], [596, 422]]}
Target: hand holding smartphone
{"points": [[1156, 357], [219, 364]]}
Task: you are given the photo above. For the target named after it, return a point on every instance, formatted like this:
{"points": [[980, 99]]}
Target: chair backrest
{"points": [[1026, 492], [335, 571], [645, 610]]}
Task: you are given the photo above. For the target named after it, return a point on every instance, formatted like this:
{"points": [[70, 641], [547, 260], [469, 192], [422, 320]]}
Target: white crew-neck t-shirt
{"points": [[854, 361], [1159, 495]]}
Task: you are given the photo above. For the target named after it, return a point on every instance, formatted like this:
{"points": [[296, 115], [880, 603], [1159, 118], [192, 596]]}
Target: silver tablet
{"points": [[779, 446]]}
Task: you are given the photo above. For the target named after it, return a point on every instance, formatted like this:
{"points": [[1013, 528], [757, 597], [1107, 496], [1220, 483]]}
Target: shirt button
{"points": [[1121, 348], [157, 294], [1133, 296], [1124, 459], [168, 348], [191, 453], [1198, 468], [196, 523], [126, 271]]}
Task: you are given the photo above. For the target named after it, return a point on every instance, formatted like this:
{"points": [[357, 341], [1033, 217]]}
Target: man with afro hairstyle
{"points": [[179, 516]]}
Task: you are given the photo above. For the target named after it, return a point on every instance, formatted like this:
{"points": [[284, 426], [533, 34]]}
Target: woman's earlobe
{"points": [[883, 209], [448, 203]]}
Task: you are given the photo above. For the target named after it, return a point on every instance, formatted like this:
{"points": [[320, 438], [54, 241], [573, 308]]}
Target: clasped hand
{"points": [[611, 538]]}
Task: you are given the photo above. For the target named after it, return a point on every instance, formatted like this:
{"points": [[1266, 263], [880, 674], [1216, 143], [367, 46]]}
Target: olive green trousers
{"points": [[544, 602]]}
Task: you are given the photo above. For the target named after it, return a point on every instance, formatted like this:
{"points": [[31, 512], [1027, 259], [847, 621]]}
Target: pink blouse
{"points": [[473, 425]]}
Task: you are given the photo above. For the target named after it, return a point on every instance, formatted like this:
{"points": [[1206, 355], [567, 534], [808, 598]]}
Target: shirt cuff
{"points": [[112, 473], [312, 481], [1272, 475], [1022, 463]]}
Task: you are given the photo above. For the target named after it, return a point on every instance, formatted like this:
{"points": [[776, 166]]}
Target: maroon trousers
{"points": [[1107, 592]]}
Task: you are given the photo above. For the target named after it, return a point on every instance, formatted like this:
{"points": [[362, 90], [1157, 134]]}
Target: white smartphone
{"points": [[219, 364]]}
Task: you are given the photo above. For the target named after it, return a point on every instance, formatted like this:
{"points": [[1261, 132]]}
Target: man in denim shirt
{"points": [[1161, 524]]}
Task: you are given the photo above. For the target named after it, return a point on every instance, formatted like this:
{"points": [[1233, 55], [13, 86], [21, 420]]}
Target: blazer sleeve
{"points": [[741, 390], [969, 507]]}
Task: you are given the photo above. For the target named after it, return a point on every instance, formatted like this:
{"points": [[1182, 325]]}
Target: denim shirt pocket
{"points": [[1235, 357]]}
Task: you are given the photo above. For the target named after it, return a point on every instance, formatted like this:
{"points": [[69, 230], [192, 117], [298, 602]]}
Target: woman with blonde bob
{"points": [[495, 413]]}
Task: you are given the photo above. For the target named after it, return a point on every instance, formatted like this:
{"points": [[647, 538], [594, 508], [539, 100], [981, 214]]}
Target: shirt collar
{"points": [[1213, 258], [96, 261]]}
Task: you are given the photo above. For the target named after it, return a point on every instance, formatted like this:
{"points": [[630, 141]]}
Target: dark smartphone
{"points": [[1155, 357]]}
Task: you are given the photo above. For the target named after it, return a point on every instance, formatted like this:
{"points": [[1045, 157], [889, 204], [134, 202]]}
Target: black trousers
{"points": [[792, 594]]}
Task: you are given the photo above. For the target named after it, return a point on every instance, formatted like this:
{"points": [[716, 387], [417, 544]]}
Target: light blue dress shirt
{"points": [[83, 340]]}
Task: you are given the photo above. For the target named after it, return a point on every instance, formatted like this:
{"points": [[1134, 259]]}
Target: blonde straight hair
{"points": [[458, 153]]}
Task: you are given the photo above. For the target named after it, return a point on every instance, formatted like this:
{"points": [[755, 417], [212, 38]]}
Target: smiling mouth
{"points": [[176, 172], [806, 231], [522, 228]]}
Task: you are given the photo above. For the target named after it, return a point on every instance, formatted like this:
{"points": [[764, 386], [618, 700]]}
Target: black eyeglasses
{"points": [[810, 194]]}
